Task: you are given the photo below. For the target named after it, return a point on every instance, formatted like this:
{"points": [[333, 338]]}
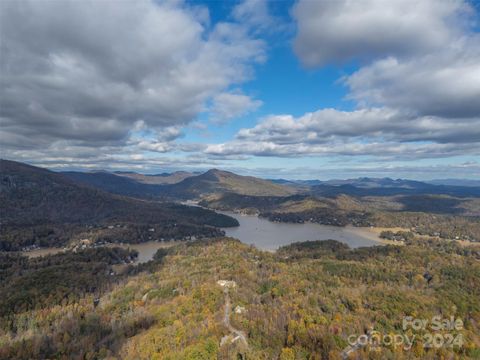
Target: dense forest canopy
{"points": [[302, 302], [43, 208]]}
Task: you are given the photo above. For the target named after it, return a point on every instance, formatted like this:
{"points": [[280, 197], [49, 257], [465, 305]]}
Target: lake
{"points": [[264, 234], [268, 235]]}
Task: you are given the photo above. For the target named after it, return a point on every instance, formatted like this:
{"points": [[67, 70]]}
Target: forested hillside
{"points": [[46, 208], [300, 303], [217, 181], [182, 186], [433, 215], [156, 179]]}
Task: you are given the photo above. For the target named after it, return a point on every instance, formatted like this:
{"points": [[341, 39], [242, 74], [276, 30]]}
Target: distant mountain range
{"points": [[366, 182], [192, 185], [187, 185], [361, 182], [183, 185], [157, 179], [216, 181], [455, 182], [365, 186], [296, 183]]}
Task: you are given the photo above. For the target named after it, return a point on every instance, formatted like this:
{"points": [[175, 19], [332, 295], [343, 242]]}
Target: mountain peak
{"points": [[216, 171], [217, 174]]}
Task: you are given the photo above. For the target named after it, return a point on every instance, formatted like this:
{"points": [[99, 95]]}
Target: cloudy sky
{"points": [[304, 89]]}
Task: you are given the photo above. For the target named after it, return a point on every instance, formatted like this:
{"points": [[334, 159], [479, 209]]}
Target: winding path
{"points": [[239, 335]]}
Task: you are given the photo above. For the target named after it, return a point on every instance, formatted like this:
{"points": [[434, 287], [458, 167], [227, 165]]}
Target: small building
{"points": [[239, 309], [227, 283]]}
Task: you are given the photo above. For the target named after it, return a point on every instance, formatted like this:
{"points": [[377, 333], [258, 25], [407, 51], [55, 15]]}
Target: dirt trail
{"points": [[239, 335]]}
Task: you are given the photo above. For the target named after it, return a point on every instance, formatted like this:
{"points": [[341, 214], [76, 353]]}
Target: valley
{"points": [[128, 266]]}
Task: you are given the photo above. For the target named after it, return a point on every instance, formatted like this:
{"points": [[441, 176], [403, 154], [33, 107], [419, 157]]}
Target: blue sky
{"points": [[293, 89]]}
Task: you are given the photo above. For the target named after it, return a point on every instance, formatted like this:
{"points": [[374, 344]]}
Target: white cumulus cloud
{"points": [[341, 30], [229, 105], [88, 72]]}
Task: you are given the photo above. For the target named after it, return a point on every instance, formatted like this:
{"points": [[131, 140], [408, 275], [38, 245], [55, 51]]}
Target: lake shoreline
{"points": [[269, 235], [250, 234]]}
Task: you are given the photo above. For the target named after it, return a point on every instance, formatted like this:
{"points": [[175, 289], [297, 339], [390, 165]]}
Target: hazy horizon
{"points": [[246, 172]]}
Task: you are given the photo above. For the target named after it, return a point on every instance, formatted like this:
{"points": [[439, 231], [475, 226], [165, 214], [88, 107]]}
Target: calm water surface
{"points": [[264, 234], [267, 235]]}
